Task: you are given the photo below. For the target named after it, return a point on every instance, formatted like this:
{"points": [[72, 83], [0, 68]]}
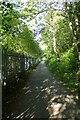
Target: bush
{"points": [[66, 68]]}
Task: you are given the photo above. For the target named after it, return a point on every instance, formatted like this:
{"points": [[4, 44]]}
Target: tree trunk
{"points": [[52, 29]]}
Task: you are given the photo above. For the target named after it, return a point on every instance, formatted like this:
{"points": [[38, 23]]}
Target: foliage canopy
{"points": [[16, 35]]}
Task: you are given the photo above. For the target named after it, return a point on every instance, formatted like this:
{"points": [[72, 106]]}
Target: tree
{"points": [[73, 16], [61, 57], [56, 33], [16, 35]]}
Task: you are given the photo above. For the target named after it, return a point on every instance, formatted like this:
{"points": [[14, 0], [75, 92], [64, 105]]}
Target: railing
{"points": [[15, 64]]}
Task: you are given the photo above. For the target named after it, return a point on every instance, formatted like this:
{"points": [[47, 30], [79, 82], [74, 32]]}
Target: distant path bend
{"points": [[42, 97]]}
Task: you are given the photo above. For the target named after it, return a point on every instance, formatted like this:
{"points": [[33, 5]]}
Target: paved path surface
{"points": [[42, 97]]}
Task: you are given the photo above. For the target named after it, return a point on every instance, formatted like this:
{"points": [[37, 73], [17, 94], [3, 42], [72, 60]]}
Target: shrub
{"points": [[66, 68]]}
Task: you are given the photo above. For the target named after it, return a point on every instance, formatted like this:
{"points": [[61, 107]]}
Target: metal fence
{"points": [[13, 64]]}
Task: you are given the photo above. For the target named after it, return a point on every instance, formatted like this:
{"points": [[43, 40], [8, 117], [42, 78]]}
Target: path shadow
{"points": [[42, 97]]}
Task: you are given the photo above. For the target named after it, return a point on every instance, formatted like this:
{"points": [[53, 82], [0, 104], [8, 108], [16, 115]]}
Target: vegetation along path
{"points": [[42, 97]]}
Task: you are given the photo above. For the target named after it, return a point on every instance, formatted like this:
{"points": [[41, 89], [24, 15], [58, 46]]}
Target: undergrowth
{"points": [[66, 68]]}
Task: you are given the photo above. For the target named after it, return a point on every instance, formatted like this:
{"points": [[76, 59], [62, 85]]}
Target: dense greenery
{"points": [[61, 51], [66, 68], [20, 51], [60, 34], [16, 35]]}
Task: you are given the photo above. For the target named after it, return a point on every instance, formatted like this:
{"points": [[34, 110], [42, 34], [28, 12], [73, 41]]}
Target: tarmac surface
{"points": [[42, 96]]}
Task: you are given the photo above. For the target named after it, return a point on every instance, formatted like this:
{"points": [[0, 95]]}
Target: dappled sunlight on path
{"points": [[42, 97]]}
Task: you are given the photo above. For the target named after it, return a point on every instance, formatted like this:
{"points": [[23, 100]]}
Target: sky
{"points": [[32, 25], [37, 27], [59, 1]]}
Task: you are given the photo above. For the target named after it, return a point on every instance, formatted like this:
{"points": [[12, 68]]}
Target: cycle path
{"points": [[43, 96]]}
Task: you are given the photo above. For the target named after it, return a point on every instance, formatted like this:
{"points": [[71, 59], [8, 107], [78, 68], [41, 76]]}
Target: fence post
{"points": [[4, 54], [15, 66], [0, 82], [26, 60], [22, 62]]}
